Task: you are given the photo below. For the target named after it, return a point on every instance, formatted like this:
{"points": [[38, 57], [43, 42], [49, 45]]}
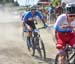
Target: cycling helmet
{"points": [[33, 8], [70, 8]]}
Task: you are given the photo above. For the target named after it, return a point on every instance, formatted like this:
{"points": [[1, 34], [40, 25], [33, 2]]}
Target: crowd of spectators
{"points": [[52, 12]]}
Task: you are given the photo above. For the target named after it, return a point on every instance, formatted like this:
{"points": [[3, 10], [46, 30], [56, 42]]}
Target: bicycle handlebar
{"points": [[35, 30]]}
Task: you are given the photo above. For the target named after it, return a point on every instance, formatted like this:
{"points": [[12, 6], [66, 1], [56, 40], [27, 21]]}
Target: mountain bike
{"points": [[36, 44], [70, 55]]}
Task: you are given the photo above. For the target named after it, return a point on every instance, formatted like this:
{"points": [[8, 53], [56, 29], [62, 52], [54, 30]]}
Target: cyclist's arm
{"points": [[25, 19], [56, 26], [40, 16]]}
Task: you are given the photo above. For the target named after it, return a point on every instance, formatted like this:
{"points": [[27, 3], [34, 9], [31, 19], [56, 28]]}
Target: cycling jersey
{"points": [[29, 16], [23, 14], [64, 35], [61, 22]]}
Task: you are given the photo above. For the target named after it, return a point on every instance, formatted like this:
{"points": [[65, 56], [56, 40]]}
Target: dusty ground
{"points": [[13, 48]]}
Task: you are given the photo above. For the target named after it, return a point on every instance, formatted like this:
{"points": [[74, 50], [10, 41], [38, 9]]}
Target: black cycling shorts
{"points": [[31, 24]]}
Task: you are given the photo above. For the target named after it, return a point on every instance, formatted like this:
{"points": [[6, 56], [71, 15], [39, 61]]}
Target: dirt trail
{"points": [[13, 49]]}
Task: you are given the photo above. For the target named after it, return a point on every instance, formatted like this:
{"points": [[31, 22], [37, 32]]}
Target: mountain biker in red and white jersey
{"points": [[64, 27]]}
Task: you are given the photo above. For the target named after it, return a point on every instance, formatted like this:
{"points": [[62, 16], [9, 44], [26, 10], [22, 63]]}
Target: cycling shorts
{"points": [[63, 38], [31, 24]]}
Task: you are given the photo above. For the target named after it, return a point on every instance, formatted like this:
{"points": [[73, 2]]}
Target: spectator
{"points": [[51, 12]]}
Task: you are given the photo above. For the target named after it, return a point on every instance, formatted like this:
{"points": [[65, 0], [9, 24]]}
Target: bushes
{"points": [[55, 2]]}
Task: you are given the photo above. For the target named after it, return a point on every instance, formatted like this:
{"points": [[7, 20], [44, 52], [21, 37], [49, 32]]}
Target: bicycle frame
{"points": [[35, 32], [35, 35], [67, 49], [38, 43]]}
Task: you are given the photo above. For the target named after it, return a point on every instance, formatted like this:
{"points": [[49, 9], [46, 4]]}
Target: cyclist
{"points": [[28, 22], [64, 27]]}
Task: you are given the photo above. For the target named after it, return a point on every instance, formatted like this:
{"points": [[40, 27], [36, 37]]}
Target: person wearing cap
{"points": [[64, 31], [28, 21]]}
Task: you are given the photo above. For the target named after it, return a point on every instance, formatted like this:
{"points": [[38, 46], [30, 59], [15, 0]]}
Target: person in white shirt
{"points": [[64, 31]]}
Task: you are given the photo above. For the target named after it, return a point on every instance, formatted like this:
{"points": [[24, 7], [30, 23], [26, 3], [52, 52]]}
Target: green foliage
{"points": [[55, 2]]}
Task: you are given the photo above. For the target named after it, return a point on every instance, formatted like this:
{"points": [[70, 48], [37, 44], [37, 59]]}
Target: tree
{"points": [[55, 2]]}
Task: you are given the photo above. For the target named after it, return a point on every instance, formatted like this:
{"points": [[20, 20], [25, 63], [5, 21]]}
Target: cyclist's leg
{"points": [[33, 43], [28, 36], [32, 25], [72, 40], [62, 54], [29, 40], [60, 45]]}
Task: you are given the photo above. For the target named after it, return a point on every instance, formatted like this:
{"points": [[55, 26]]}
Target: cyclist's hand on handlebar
{"points": [[45, 25], [66, 26]]}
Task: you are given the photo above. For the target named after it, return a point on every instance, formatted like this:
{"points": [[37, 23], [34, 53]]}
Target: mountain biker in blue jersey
{"points": [[28, 22]]}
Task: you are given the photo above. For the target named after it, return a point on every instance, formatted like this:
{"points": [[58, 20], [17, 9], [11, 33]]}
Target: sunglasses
{"points": [[71, 15]]}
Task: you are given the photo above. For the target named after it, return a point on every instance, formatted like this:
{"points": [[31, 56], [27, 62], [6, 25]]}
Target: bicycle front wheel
{"points": [[57, 61], [42, 47]]}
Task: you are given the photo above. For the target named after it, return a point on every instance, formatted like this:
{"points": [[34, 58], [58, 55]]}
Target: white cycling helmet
{"points": [[33, 8], [70, 8]]}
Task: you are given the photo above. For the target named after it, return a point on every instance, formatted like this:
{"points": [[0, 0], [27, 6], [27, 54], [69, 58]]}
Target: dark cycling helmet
{"points": [[70, 8]]}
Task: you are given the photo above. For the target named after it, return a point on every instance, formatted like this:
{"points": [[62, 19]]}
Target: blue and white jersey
{"points": [[29, 16], [62, 22], [24, 14]]}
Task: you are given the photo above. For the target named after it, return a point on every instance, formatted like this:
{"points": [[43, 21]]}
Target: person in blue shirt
{"points": [[29, 17], [28, 21], [51, 12]]}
